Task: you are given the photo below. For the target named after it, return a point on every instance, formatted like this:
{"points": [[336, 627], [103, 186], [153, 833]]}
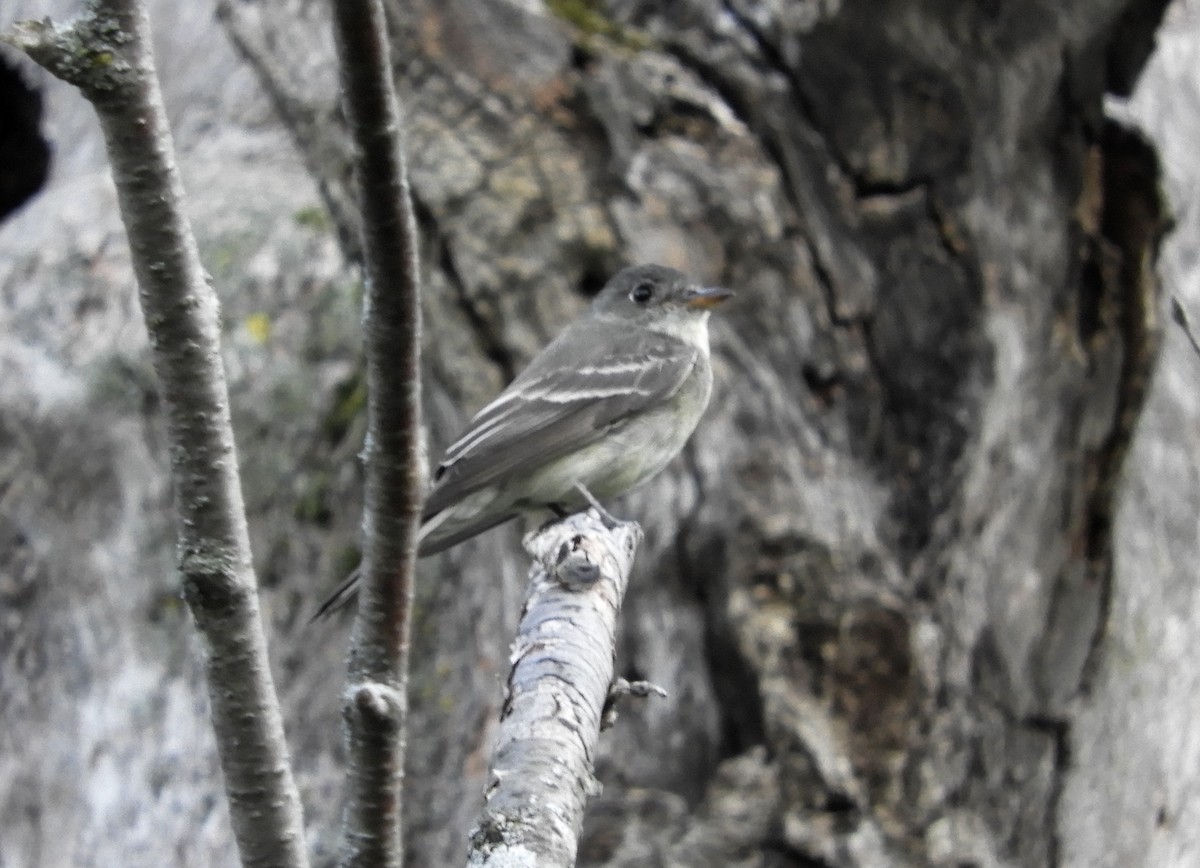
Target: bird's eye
{"points": [[642, 293]]}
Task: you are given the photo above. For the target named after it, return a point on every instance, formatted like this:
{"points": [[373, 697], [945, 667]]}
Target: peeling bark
{"points": [[541, 774]]}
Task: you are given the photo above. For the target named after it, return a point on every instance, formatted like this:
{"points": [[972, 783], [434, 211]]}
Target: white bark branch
{"points": [[106, 53], [541, 774]]}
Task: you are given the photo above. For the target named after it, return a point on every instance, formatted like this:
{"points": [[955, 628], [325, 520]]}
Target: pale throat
{"points": [[689, 326]]}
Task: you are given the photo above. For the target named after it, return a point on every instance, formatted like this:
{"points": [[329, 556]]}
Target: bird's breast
{"points": [[642, 445]]}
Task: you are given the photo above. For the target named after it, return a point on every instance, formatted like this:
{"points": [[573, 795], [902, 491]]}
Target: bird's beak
{"points": [[705, 296]]}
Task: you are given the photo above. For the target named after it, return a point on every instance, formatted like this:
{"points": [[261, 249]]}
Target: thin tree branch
{"points": [[375, 706], [1180, 315], [321, 141], [106, 53], [558, 692]]}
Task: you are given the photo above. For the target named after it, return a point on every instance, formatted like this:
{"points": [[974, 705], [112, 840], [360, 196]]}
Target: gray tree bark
{"points": [[106, 53], [919, 588], [562, 688], [375, 704]]}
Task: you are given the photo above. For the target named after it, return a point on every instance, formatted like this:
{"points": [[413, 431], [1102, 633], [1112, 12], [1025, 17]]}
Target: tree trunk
{"points": [[903, 582]]}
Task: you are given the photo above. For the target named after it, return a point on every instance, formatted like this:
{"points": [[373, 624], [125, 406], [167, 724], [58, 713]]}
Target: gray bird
{"points": [[605, 406]]}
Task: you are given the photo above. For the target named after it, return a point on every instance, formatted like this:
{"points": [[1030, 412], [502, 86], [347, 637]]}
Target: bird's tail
{"points": [[446, 529], [438, 533], [345, 592]]}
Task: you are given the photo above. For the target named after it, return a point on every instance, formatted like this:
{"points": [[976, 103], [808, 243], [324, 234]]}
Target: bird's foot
{"points": [[605, 515]]}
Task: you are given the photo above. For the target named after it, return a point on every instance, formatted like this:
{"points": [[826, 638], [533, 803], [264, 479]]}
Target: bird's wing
{"points": [[573, 391]]}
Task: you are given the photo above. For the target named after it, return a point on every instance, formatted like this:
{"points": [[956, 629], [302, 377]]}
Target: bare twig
{"points": [[375, 706], [106, 53], [321, 141], [541, 773], [1180, 315], [621, 689]]}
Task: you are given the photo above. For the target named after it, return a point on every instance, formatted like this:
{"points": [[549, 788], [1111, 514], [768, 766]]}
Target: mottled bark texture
{"points": [[376, 699], [879, 585], [886, 558], [541, 773], [106, 53]]}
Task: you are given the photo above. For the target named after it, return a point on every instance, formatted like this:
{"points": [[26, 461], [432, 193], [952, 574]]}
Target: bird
{"points": [[601, 410]]}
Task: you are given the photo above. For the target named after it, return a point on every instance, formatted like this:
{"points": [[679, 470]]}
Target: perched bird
{"points": [[604, 406]]}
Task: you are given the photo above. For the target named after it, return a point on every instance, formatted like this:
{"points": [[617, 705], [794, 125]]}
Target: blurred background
{"points": [[921, 587]]}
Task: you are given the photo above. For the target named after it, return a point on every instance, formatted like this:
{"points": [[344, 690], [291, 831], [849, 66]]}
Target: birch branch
{"points": [[106, 53], [375, 707], [559, 689]]}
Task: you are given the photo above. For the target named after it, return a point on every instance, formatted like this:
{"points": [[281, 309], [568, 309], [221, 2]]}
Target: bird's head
{"points": [[655, 293]]}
